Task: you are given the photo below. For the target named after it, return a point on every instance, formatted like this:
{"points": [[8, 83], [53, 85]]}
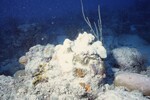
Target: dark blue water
{"points": [[40, 9], [48, 19]]}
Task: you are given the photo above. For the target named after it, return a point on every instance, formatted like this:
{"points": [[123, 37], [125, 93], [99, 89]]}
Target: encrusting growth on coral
{"points": [[87, 87], [79, 72], [39, 75]]}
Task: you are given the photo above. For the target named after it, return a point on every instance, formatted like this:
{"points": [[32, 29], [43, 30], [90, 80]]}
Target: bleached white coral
{"points": [[48, 51], [71, 70], [85, 44], [80, 63], [81, 50], [81, 44]]}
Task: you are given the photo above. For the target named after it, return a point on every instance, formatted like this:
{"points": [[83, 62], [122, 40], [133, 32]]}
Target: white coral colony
{"points": [[80, 63], [74, 68]]}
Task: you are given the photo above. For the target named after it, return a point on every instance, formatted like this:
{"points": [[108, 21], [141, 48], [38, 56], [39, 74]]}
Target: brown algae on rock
{"points": [[78, 72], [39, 75]]}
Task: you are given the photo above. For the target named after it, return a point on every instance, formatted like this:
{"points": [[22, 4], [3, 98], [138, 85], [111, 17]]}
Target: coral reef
{"points": [[74, 70]]}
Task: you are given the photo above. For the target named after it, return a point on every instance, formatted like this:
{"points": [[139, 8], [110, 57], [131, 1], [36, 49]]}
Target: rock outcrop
{"points": [[129, 59], [133, 81]]}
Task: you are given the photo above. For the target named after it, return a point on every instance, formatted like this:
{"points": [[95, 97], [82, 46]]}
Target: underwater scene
{"points": [[74, 49]]}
